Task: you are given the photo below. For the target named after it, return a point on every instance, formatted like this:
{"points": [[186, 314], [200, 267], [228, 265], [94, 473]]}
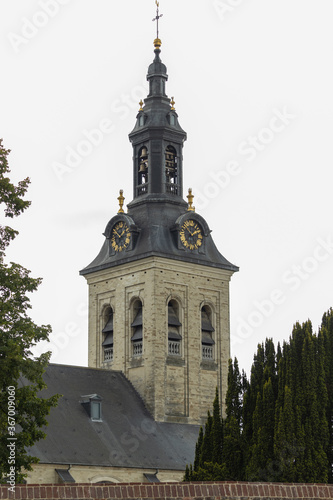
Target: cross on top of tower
{"points": [[158, 16]]}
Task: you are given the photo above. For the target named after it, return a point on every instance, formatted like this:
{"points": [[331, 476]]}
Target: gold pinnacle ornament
{"points": [[190, 198], [172, 102], [121, 202], [141, 104]]}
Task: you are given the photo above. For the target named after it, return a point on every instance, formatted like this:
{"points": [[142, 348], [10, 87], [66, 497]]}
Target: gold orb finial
{"points": [[121, 202], [190, 198], [172, 102], [157, 43], [141, 104]]}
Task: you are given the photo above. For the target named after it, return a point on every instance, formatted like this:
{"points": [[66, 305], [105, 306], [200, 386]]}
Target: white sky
{"points": [[234, 66]]}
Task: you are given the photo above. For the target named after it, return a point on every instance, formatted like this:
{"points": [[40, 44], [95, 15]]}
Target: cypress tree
{"points": [[326, 339], [216, 431], [234, 393], [232, 450], [253, 469], [207, 442], [316, 429], [280, 422], [198, 449], [285, 450], [266, 435]]}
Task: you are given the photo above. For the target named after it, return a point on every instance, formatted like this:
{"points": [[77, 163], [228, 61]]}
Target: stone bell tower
{"points": [[159, 288]]}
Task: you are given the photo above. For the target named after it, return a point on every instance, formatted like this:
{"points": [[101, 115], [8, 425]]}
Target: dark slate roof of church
{"points": [[127, 436]]}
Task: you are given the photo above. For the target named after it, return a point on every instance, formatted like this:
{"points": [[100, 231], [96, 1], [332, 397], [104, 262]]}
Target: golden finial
{"points": [[121, 202], [190, 198], [157, 43], [141, 104], [172, 102]]}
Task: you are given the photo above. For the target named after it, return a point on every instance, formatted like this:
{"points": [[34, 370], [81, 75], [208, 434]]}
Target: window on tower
{"points": [[207, 331], [107, 332], [136, 339], [172, 120], [171, 172], [143, 171], [174, 330]]}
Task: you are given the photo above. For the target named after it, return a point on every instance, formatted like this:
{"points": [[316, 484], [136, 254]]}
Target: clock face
{"points": [[120, 236], [191, 235]]}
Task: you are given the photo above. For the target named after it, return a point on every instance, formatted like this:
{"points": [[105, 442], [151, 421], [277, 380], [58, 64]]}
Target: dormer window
{"points": [[107, 344], [92, 404], [207, 330]]}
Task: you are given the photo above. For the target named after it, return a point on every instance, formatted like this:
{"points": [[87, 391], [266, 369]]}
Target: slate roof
{"points": [[158, 223], [127, 436]]}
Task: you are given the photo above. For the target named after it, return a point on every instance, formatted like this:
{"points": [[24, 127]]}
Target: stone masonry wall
{"points": [[174, 389], [170, 491]]}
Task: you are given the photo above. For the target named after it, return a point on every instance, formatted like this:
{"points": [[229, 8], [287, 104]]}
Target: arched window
{"points": [[174, 333], [171, 172], [207, 330], [136, 339], [108, 337], [143, 171]]}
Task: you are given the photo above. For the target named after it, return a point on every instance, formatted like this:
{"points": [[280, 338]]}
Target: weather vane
{"points": [[158, 15]]}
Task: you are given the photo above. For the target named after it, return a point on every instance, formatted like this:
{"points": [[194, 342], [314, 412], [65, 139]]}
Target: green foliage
{"points": [[18, 333], [209, 471], [217, 432], [280, 423], [198, 447]]}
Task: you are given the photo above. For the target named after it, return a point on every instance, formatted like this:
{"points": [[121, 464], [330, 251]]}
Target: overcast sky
{"points": [[252, 81]]}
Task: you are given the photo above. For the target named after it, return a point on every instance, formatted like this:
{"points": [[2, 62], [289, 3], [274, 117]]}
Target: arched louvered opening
{"points": [[143, 171], [107, 332], [207, 334], [137, 329], [171, 170], [174, 329]]}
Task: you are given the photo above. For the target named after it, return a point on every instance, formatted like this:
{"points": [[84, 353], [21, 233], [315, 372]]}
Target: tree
{"points": [[197, 458], [20, 373], [280, 423], [208, 450], [232, 448], [217, 431], [325, 339]]}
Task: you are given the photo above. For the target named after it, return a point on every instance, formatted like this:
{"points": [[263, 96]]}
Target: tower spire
{"points": [[157, 18]]}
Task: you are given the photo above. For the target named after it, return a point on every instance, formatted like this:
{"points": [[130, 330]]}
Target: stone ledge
{"points": [[175, 361], [209, 365]]}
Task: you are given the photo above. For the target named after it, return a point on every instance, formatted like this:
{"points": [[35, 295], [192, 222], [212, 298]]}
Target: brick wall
{"points": [[170, 491]]}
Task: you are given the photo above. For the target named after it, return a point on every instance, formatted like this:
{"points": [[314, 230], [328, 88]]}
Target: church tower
{"points": [[159, 288]]}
